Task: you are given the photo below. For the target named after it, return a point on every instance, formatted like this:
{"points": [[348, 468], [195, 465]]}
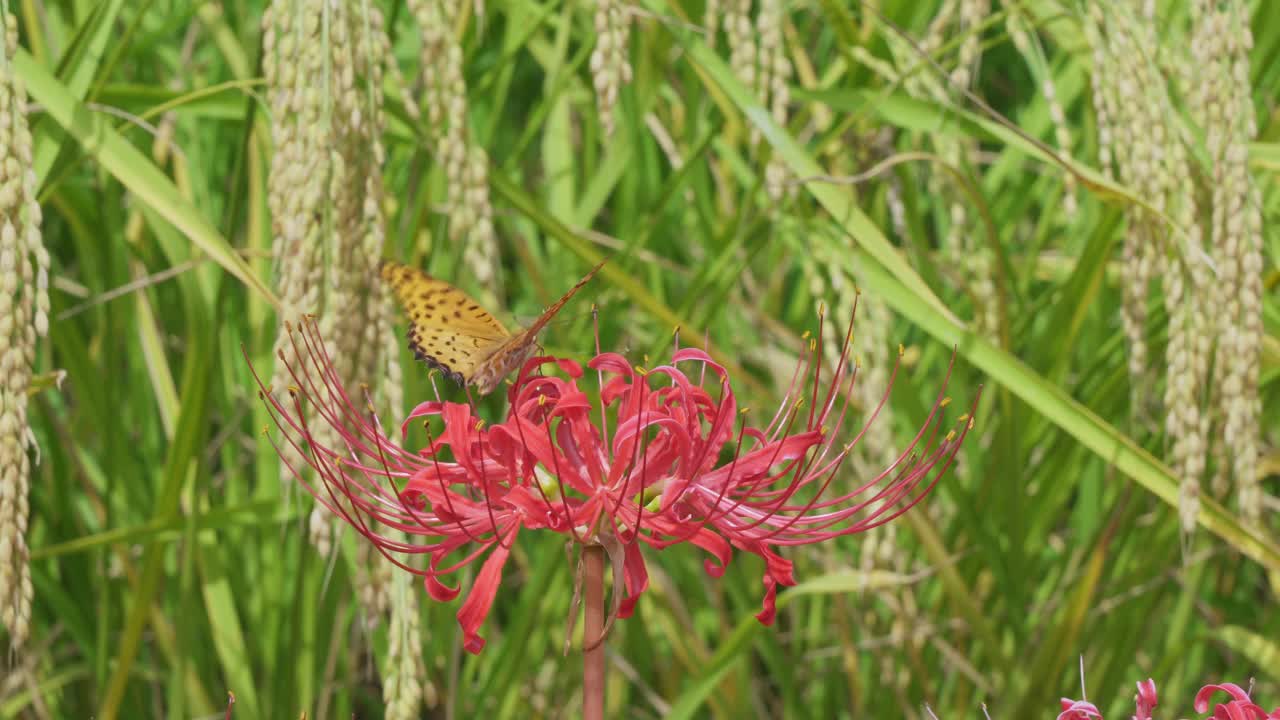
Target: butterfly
{"points": [[450, 331]]}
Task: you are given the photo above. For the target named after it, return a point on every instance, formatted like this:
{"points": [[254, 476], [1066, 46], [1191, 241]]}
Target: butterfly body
{"points": [[449, 330]]}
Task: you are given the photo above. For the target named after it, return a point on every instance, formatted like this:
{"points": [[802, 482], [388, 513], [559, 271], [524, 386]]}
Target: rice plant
{"points": [[932, 369]]}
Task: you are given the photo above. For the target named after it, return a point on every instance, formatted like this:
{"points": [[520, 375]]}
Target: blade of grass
{"points": [[1056, 405], [736, 645], [836, 199], [510, 192], [137, 173], [890, 275], [1263, 652], [78, 66]]}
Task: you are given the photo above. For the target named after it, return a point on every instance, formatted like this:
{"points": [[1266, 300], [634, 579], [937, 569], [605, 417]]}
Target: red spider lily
{"points": [[663, 456], [1240, 707], [1078, 710], [1145, 700]]}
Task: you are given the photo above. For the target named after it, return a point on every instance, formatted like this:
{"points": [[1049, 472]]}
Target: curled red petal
{"points": [[567, 366], [719, 549], [778, 571], [479, 600], [635, 577], [611, 363], [423, 409], [572, 399], [668, 531], [1236, 692], [438, 590], [1237, 710], [1145, 699], [614, 389], [530, 398], [429, 484], [526, 375], [538, 510], [1078, 710], [769, 609], [750, 466]]}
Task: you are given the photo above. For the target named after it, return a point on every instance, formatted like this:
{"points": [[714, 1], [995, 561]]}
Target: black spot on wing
{"points": [[433, 362]]}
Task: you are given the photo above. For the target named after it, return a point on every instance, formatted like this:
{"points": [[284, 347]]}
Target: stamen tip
{"points": [[902, 350], [945, 401]]}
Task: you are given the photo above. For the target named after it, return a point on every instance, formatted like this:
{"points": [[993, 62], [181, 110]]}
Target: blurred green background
{"points": [[906, 149]]}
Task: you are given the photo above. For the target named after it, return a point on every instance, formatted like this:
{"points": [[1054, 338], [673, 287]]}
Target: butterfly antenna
{"points": [[551, 311]]}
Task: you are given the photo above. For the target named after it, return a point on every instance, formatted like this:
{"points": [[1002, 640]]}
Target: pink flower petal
{"points": [[1145, 700], [636, 579], [424, 409], [1078, 710], [1235, 691], [475, 608]]}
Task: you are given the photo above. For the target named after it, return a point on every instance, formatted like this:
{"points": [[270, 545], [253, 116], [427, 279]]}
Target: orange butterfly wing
{"points": [[447, 328], [450, 331]]}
